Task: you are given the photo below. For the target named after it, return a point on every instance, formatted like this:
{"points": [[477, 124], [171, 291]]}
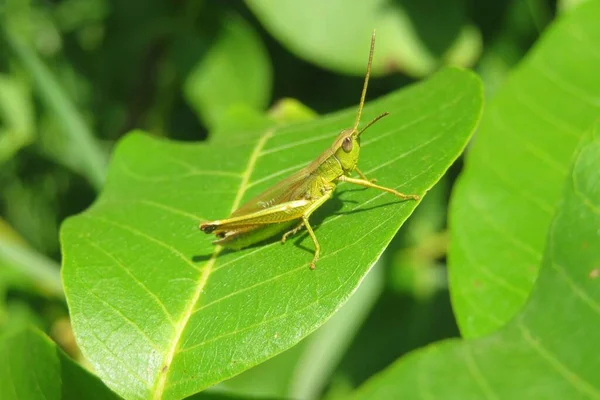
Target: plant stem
{"points": [[44, 271], [92, 158]]}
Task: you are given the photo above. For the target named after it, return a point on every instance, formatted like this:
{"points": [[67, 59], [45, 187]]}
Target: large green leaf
{"points": [[32, 367], [161, 313], [415, 37], [547, 352], [303, 370], [503, 204]]}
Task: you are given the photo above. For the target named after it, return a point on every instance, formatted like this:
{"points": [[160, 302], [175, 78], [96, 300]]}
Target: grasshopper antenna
{"points": [[377, 118], [366, 84]]}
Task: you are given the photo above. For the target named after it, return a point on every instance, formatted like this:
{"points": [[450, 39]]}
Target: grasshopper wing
{"points": [[291, 188], [288, 211]]}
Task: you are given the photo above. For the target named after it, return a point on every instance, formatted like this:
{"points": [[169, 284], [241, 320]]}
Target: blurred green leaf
{"points": [[160, 312], [16, 114], [567, 5], [39, 268], [31, 205], [92, 158], [413, 37], [80, 14], [15, 315], [518, 27], [503, 203], [548, 351], [398, 324], [235, 71], [32, 23], [414, 268], [289, 110], [326, 347], [32, 367], [20, 263], [8, 234], [9, 277]]}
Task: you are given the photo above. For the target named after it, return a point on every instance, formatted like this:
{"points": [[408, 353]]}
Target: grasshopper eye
{"points": [[347, 144]]}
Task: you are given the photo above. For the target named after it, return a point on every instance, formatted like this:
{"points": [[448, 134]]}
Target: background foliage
{"points": [[77, 75]]}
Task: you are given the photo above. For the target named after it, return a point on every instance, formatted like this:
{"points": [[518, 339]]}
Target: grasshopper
{"points": [[286, 207]]}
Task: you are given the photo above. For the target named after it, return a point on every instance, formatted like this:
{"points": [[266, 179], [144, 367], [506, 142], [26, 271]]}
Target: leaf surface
{"points": [[548, 351], [503, 203], [161, 313]]}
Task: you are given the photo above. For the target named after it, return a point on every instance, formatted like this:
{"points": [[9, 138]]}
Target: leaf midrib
{"points": [[160, 385]]}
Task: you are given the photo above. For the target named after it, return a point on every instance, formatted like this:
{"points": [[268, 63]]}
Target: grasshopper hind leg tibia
{"points": [[315, 241]]}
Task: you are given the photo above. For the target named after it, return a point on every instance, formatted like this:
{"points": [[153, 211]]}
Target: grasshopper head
{"points": [[347, 145], [347, 148]]}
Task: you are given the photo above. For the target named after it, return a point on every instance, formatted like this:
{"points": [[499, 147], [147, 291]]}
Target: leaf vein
{"points": [[204, 276], [575, 380], [548, 208], [576, 288], [135, 279], [543, 114], [126, 366], [158, 179], [566, 86], [477, 374], [535, 151], [126, 319], [144, 235], [492, 276]]}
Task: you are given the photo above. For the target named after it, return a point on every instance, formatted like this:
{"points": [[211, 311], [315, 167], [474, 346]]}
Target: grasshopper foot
{"points": [[407, 196], [313, 263]]}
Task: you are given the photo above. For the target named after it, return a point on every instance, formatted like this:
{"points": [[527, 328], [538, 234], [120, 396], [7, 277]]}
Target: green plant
{"points": [[147, 305]]}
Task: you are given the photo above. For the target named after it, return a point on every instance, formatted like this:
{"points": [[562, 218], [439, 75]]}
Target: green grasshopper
{"points": [[286, 207]]}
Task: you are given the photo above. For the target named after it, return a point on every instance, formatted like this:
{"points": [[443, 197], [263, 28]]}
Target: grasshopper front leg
{"points": [[366, 183], [363, 176]]}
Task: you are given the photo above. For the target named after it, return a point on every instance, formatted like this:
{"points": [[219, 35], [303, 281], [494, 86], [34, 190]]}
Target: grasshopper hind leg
{"points": [[305, 223], [315, 241]]}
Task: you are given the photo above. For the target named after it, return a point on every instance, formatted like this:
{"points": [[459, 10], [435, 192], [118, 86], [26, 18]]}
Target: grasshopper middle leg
{"points": [[291, 232], [363, 176]]}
